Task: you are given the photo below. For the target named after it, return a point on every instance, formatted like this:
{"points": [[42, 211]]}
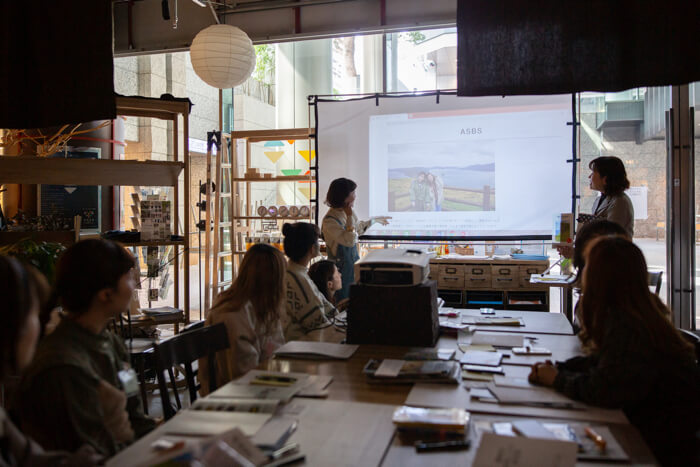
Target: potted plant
{"points": [[41, 255]]}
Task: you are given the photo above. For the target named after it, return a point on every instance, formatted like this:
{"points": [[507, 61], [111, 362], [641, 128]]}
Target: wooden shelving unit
{"points": [[282, 178], [171, 110], [106, 172], [57, 171], [244, 217]]}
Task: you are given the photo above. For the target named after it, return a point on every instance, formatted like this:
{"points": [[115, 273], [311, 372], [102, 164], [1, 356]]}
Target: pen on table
{"points": [[442, 445], [597, 439], [284, 450]]}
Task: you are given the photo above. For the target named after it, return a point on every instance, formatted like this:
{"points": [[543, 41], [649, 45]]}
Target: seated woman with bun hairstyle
{"points": [[307, 308]]}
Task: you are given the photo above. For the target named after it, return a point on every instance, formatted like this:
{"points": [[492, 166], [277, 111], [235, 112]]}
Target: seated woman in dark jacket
{"points": [[637, 362], [25, 294]]}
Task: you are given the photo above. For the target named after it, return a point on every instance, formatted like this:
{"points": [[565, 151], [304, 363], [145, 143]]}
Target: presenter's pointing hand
{"points": [[384, 220]]}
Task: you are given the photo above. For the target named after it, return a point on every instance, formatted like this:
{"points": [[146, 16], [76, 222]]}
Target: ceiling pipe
{"points": [[277, 6]]}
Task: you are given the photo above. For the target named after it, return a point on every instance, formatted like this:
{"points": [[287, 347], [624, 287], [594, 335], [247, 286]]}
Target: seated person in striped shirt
{"points": [[307, 308]]}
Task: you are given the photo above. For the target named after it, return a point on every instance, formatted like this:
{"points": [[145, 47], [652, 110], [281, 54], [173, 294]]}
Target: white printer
{"points": [[392, 267]]}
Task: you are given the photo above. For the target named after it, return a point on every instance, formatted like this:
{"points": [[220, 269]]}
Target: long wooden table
{"points": [[353, 425]]}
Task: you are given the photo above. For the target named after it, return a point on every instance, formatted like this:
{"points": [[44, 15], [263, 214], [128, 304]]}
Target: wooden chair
{"points": [[193, 326], [694, 339], [182, 350], [655, 279]]}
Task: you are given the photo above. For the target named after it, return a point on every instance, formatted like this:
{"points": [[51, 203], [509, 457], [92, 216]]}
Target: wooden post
{"points": [[207, 236], [176, 213], [217, 217]]}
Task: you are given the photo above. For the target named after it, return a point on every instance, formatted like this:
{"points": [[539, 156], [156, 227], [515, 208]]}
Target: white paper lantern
{"points": [[222, 56]]}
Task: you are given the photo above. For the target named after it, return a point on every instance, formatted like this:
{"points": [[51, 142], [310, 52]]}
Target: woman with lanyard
{"points": [[341, 229], [608, 176]]}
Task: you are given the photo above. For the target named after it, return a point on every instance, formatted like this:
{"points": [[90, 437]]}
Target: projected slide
{"points": [[464, 168], [426, 177]]}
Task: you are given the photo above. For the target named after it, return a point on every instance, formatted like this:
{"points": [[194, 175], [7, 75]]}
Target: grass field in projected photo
{"points": [[470, 188]]}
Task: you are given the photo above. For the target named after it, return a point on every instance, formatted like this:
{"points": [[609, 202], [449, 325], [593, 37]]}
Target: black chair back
{"points": [[655, 279], [694, 339], [182, 350], [194, 325]]}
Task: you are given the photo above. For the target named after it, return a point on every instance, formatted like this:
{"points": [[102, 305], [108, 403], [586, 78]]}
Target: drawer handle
{"points": [[505, 272], [451, 279], [477, 271], [532, 271], [451, 270], [504, 279], [477, 279]]}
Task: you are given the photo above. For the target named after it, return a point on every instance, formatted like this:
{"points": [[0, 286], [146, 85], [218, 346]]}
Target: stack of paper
{"points": [[497, 340], [444, 420], [402, 371], [482, 358], [258, 384]]}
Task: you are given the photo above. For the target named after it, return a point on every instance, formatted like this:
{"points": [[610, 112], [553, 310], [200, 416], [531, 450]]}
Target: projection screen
{"points": [[450, 167]]}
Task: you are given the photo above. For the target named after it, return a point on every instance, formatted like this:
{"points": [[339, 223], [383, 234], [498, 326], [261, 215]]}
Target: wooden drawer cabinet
{"points": [[503, 284], [505, 277], [526, 272], [434, 272], [451, 282], [479, 270], [451, 270], [477, 282]]}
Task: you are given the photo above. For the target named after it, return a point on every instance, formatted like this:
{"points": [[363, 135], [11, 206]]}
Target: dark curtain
{"points": [[510, 47], [56, 62]]}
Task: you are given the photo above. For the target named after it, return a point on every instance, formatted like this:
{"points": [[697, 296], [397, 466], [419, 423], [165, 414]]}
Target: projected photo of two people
{"points": [[414, 186]]}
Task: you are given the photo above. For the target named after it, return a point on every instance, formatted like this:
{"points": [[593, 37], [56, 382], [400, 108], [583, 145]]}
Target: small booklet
{"points": [[199, 423], [275, 433], [236, 405], [316, 387], [450, 327], [498, 340], [493, 321], [428, 371], [300, 349], [430, 354], [482, 358], [447, 420], [561, 279], [535, 396], [259, 384]]}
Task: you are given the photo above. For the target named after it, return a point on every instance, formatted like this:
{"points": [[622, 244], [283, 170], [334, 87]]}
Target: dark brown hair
{"points": [[21, 288], [260, 281], [616, 293], [299, 237], [613, 169], [588, 232], [338, 191], [321, 272], [88, 267]]}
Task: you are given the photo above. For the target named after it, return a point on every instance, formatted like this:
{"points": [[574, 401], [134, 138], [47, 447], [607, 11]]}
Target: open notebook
{"points": [[300, 349]]}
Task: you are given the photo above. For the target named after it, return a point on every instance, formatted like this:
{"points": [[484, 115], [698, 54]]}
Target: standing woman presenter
{"points": [[341, 229], [608, 176]]}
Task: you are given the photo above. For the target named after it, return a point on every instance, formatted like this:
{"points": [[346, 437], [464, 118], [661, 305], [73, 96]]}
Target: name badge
{"points": [[130, 382]]}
